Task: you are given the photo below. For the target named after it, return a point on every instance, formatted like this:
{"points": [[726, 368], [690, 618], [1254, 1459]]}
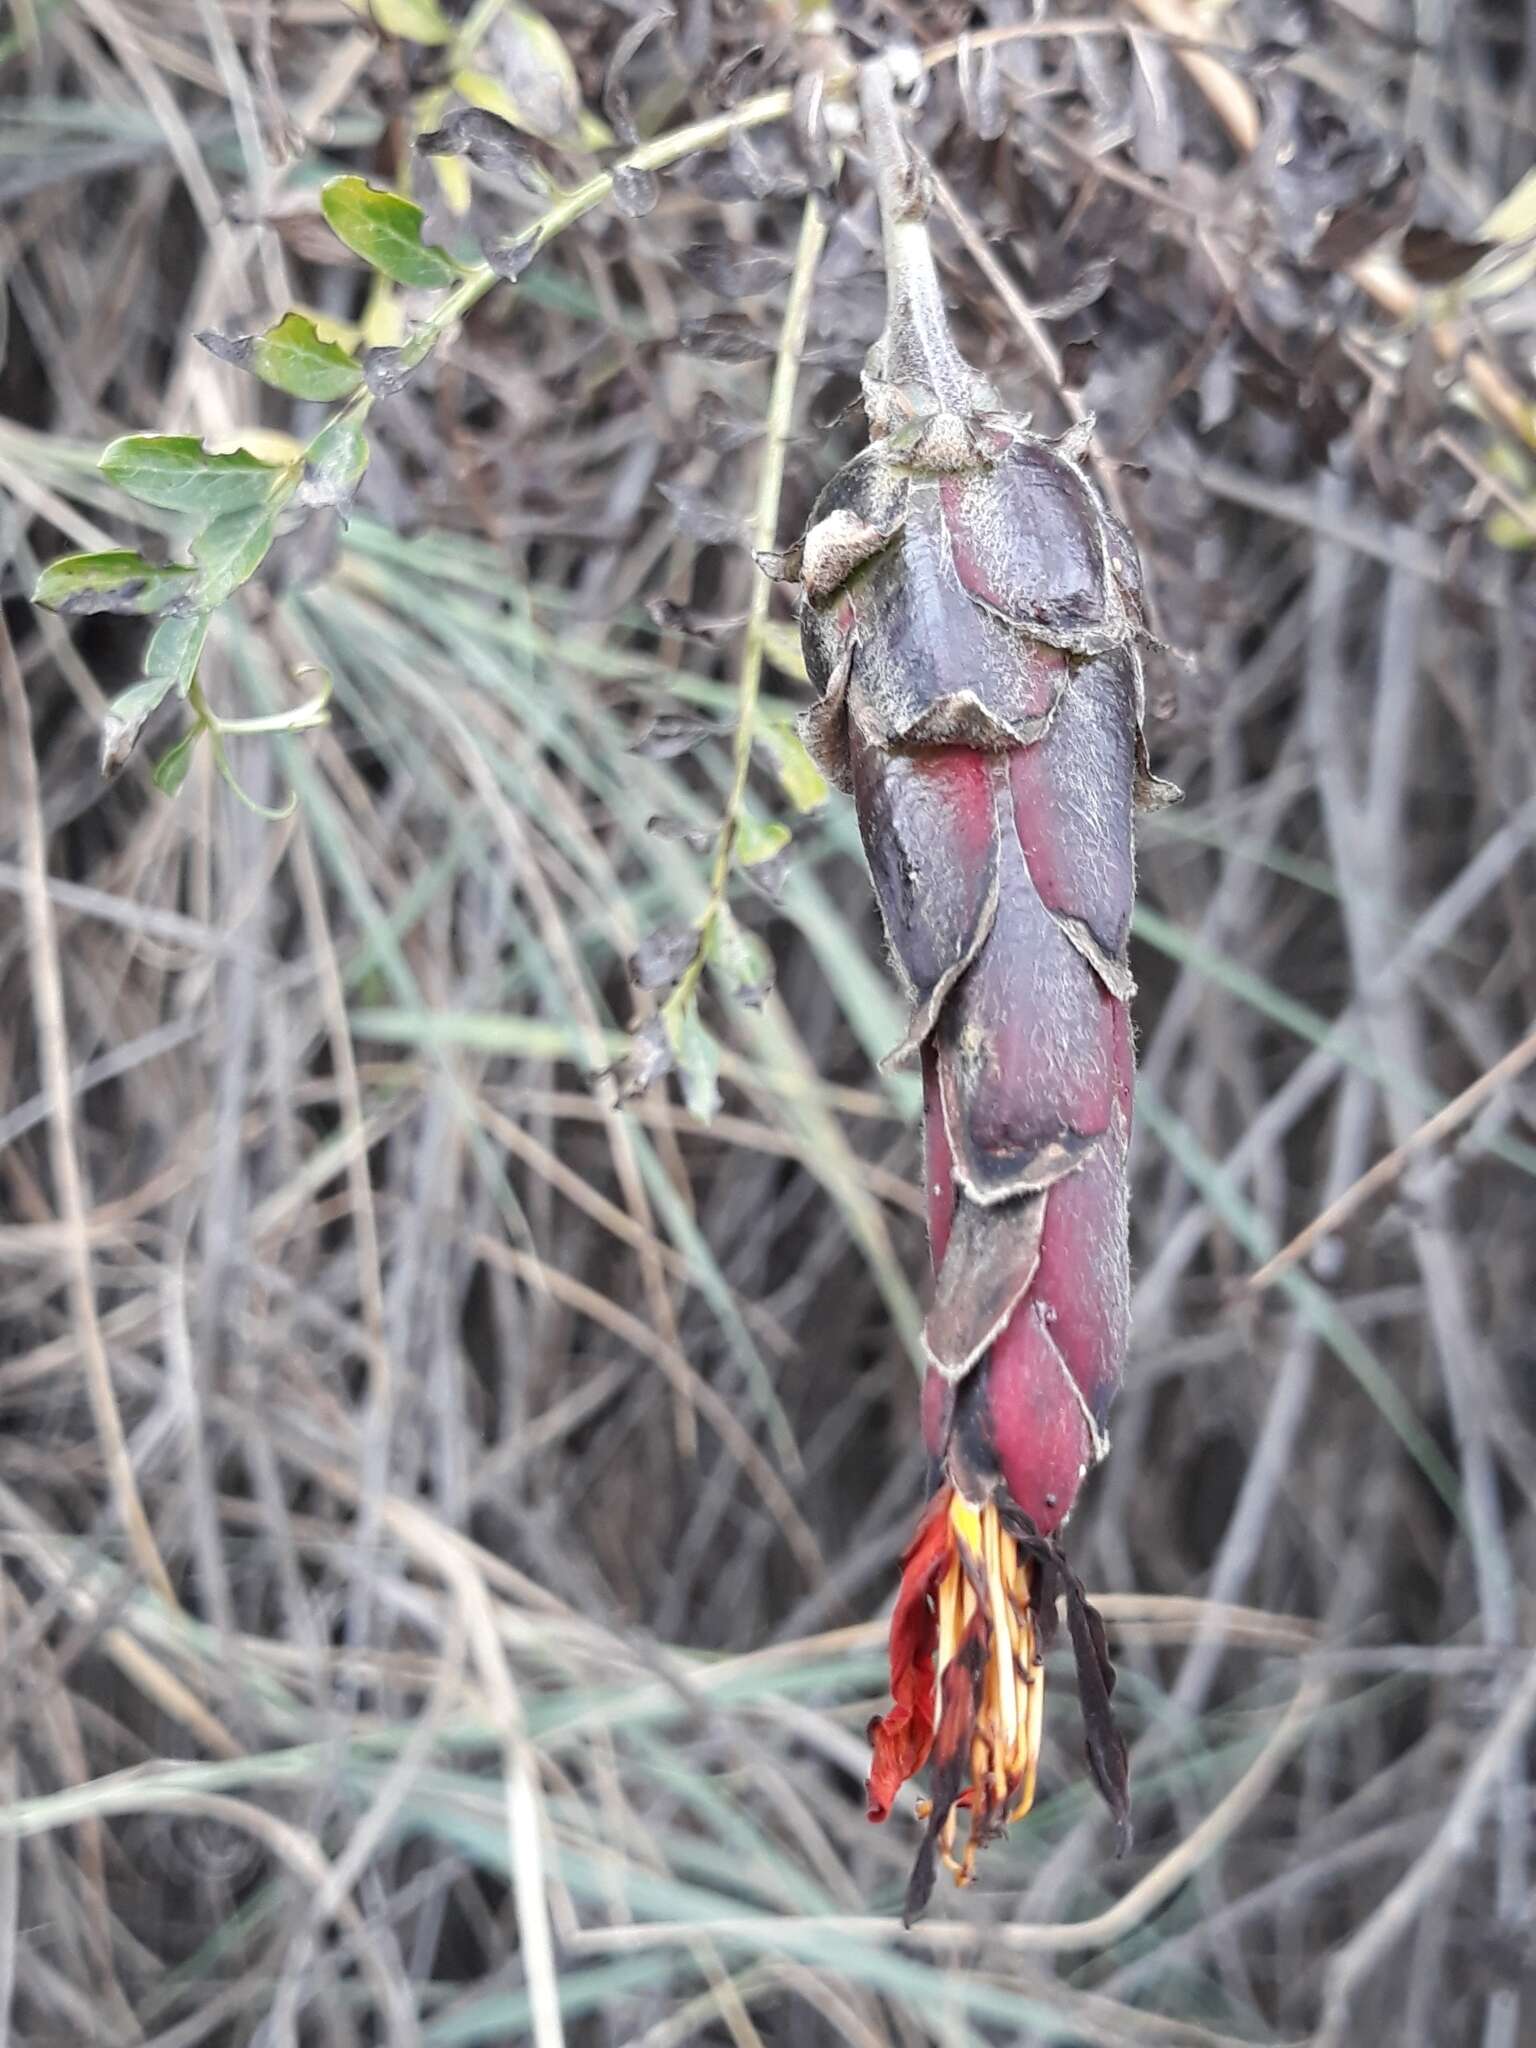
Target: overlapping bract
{"points": [[970, 617]]}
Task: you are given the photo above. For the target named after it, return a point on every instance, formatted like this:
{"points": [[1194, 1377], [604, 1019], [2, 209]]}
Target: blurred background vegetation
{"points": [[448, 1513]]}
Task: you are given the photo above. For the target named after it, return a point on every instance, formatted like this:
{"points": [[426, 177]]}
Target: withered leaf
{"points": [[670, 735], [742, 960], [635, 191], [1156, 120], [679, 832], [1358, 227], [733, 78], [769, 876], [388, 370], [1436, 256], [616, 101], [719, 269], [511, 256], [701, 518], [981, 93], [724, 338], [1092, 282], [489, 141], [714, 177], [1077, 362], [808, 131], [651, 1054], [662, 955], [1312, 167], [670, 617], [305, 554], [762, 179], [722, 427]]}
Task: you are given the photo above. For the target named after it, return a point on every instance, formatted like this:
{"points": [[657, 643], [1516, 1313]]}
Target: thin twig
{"points": [[1387, 1168]]}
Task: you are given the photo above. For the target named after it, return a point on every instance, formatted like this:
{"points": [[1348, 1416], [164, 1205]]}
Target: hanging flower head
{"points": [[971, 613]]}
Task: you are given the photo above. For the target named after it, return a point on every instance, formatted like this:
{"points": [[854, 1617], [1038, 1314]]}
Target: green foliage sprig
{"points": [[232, 505]]}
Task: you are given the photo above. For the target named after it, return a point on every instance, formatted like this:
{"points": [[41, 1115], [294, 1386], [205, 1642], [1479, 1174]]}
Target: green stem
{"points": [[581, 199], [765, 521]]}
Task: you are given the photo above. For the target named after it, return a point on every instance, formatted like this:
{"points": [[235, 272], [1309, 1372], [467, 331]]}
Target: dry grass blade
{"points": [[447, 1517]]}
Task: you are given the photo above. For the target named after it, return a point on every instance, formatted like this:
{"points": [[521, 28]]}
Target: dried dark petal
{"points": [[959, 1698]]}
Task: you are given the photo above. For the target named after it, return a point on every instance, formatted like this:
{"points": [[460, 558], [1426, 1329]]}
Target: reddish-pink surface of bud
{"points": [[973, 628]]}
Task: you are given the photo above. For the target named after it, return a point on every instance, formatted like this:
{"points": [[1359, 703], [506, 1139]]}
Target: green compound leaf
{"points": [[115, 581], [386, 231], [230, 550], [291, 357], [179, 474]]}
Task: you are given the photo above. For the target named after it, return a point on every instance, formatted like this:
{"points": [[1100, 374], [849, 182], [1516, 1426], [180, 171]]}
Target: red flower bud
{"points": [[971, 614]]}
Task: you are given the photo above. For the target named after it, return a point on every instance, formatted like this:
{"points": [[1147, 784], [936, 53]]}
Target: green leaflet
{"points": [[115, 581], [179, 474], [291, 357], [230, 550], [386, 231]]}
